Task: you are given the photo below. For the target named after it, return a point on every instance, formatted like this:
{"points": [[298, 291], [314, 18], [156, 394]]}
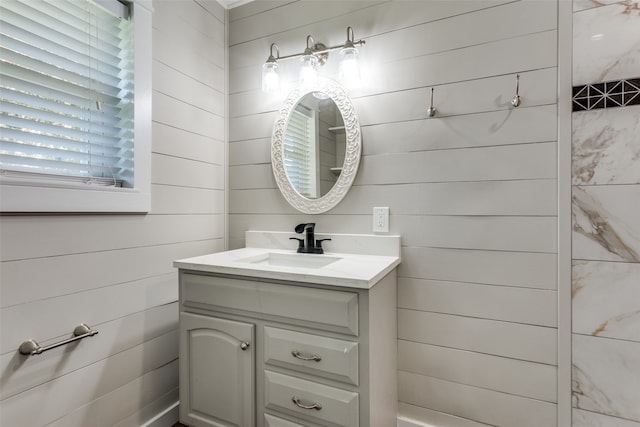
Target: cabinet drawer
{"points": [[328, 309], [323, 403], [313, 354]]}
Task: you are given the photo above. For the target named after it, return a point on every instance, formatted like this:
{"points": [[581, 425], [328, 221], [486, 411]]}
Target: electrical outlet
{"points": [[381, 220]]}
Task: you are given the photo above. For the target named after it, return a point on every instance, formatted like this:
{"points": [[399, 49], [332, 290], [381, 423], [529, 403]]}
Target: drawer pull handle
{"points": [[244, 345], [298, 355], [299, 404]]}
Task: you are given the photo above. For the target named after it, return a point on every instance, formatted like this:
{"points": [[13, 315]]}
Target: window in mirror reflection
{"points": [[300, 153], [314, 145]]}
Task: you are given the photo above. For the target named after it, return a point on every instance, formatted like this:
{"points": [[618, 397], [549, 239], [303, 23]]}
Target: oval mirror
{"points": [[316, 146]]}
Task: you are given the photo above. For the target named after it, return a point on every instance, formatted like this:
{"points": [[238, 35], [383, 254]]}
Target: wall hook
{"points": [[431, 111], [516, 99]]}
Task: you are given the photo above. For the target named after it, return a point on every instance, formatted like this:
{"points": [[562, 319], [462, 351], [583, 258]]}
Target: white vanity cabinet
{"points": [[217, 351], [278, 353]]}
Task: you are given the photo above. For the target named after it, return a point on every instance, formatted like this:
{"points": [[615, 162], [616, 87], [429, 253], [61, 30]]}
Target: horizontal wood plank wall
{"points": [[114, 272], [471, 191]]}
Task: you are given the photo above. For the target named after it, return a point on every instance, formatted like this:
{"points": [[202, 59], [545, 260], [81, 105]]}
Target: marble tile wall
{"points": [[606, 216]]}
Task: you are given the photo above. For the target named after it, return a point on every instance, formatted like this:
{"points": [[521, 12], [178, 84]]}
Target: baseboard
{"points": [[166, 418], [406, 422], [169, 417]]}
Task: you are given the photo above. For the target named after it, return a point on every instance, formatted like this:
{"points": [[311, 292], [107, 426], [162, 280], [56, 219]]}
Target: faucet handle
{"points": [[319, 249], [300, 243], [300, 228]]}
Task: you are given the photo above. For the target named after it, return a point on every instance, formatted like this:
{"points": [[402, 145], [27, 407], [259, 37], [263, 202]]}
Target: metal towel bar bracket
{"points": [[31, 347]]}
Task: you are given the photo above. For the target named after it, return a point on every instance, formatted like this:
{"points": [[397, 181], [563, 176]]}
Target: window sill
{"points": [[20, 197]]}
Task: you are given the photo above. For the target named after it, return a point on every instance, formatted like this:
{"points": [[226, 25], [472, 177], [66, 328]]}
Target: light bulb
{"points": [[270, 78], [308, 74], [349, 67]]}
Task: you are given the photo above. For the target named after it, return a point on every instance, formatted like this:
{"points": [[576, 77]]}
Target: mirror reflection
{"points": [[314, 145]]}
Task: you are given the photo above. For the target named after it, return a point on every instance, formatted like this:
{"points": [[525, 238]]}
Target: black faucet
{"points": [[308, 245]]}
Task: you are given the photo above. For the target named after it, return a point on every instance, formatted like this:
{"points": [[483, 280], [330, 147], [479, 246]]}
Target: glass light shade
{"points": [[270, 78], [308, 74], [349, 67]]}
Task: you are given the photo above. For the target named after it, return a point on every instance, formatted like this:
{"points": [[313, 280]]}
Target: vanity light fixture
{"points": [[349, 64], [314, 55], [270, 78], [308, 63]]}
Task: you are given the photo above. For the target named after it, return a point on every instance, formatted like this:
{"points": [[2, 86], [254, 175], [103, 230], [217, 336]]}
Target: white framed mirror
{"points": [[316, 146]]}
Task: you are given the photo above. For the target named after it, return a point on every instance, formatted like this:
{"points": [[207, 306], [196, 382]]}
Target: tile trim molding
{"points": [[610, 94]]}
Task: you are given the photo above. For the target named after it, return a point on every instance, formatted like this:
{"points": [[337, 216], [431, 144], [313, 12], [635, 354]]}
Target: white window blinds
{"points": [[66, 89], [300, 155]]}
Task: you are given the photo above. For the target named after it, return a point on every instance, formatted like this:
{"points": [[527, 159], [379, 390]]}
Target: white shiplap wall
{"points": [[114, 272], [472, 191]]}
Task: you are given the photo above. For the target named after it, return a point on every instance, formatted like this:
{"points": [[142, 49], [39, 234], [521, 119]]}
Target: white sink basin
{"points": [[291, 260], [354, 261]]}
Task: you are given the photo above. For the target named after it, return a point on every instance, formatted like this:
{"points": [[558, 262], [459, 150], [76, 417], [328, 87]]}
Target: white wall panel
{"points": [[182, 143], [39, 278], [250, 151], [501, 57], [272, 21], [479, 95], [512, 340], [506, 233], [118, 330], [36, 237], [511, 376], [524, 161], [472, 191], [368, 22], [168, 49], [473, 130], [407, 414], [143, 392], [511, 304], [251, 127], [524, 269], [172, 200], [182, 115], [56, 398], [175, 84], [181, 172], [521, 162], [115, 272], [488, 406], [194, 16], [461, 198], [209, 47], [254, 8]]}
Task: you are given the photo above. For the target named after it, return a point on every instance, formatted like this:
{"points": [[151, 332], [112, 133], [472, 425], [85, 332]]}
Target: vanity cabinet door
{"points": [[217, 377]]}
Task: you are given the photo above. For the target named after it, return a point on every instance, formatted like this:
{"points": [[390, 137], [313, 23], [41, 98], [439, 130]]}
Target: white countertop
{"points": [[351, 270]]}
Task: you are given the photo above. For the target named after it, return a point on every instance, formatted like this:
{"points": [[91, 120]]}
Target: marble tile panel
{"points": [[606, 146], [606, 43], [606, 376], [593, 419], [606, 224], [606, 299], [579, 5]]}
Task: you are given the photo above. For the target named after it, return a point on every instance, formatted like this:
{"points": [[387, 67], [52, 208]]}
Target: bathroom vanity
{"points": [[273, 338]]}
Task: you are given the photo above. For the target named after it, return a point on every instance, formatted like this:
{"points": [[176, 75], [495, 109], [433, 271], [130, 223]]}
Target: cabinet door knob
{"points": [[299, 355], [299, 404], [244, 345]]}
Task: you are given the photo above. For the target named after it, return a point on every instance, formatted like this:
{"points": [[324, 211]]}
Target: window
{"points": [[300, 156], [74, 135]]}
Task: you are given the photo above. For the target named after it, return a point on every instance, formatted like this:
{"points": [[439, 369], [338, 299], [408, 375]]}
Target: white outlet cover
{"points": [[380, 219]]}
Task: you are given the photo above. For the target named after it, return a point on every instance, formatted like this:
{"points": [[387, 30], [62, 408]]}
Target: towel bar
{"points": [[31, 347]]}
